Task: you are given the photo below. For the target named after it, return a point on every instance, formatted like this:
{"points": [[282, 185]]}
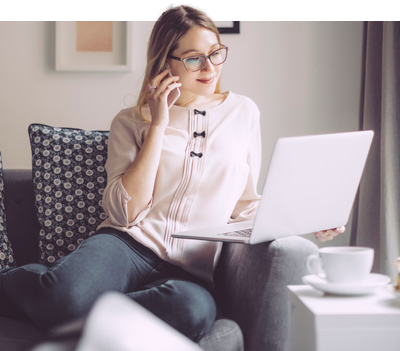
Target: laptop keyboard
{"points": [[245, 233]]}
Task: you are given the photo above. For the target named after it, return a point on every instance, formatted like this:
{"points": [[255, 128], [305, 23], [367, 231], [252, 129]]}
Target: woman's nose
{"points": [[208, 66]]}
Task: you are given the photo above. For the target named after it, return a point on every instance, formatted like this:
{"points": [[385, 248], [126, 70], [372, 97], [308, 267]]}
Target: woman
{"points": [[194, 165]]}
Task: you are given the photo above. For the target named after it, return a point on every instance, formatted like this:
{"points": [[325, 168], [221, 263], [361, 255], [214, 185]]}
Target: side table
{"points": [[323, 322]]}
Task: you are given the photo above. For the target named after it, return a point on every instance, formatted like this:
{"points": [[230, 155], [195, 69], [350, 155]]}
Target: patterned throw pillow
{"points": [[6, 252], [69, 179]]}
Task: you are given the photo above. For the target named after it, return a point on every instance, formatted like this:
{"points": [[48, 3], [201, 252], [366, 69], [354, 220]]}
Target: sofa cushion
{"points": [[68, 179], [6, 252]]}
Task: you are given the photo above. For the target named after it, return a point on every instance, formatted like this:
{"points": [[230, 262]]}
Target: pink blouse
{"points": [[207, 176]]}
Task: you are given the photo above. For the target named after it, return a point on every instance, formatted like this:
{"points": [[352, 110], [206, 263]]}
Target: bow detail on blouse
{"points": [[202, 134], [197, 112], [199, 155]]}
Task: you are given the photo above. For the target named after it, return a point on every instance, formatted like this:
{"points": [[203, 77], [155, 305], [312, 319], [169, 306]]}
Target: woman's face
{"points": [[197, 41]]}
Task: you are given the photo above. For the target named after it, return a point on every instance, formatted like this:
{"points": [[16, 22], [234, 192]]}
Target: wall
{"points": [[304, 76]]}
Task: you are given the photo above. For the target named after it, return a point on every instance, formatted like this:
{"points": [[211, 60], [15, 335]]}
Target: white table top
{"points": [[381, 302]]}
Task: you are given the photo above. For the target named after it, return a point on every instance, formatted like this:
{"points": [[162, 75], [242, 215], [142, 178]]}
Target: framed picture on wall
{"points": [[94, 46], [228, 27]]}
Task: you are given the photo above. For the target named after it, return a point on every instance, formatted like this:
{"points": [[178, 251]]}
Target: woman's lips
{"points": [[206, 80]]}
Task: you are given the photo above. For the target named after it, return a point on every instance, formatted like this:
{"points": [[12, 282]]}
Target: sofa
{"points": [[250, 280]]}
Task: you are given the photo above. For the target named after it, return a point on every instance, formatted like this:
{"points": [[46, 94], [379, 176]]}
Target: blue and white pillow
{"points": [[6, 252], [69, 178]]}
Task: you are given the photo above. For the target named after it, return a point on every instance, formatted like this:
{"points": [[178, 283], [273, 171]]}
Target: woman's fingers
{"points": [[163, 87], [157, 79], [158, 97], [161, 83], [326, 235], [341, 229]]}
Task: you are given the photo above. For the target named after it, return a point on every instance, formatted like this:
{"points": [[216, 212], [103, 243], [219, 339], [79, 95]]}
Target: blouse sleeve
{"points": [[246, 207], [123, 146]]}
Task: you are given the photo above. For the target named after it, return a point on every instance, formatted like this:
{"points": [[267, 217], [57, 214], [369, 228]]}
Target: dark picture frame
{"points": [[232, 27]]}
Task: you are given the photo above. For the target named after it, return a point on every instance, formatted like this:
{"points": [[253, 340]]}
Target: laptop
{"points": [[311, 185]]}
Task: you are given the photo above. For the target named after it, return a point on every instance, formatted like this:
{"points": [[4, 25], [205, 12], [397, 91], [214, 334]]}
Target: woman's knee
{"points": [[184, 305], [197, 307]]}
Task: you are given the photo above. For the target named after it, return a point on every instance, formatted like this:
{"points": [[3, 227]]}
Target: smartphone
{"points": [[174, 94]]}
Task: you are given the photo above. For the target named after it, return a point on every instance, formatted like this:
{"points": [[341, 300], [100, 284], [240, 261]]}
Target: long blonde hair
{"points": [[172, 25]]}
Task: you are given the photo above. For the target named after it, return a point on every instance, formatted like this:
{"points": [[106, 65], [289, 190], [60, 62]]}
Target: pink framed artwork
{"points": [[94, 46]]}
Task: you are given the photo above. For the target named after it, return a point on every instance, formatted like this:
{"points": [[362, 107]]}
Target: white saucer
{"points": [[373, 282]]}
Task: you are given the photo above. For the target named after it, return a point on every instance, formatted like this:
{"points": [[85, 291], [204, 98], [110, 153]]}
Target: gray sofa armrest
{"points": [[251, 289]]}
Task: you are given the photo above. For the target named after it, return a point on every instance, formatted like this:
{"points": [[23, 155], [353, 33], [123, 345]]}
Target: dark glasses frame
{"points": [[205, 59]]}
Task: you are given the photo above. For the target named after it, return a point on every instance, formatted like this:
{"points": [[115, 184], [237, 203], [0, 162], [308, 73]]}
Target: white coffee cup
{"points": [[342, 264]]}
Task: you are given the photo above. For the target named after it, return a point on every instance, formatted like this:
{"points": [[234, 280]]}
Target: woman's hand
{"points": [[325, 235], [158, 98]]}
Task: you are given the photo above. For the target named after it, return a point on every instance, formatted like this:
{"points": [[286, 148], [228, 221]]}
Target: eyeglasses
{"points": [[196, 63]]}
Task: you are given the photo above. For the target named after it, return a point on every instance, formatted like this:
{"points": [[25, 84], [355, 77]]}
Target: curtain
{"points": [[376, 217]]}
